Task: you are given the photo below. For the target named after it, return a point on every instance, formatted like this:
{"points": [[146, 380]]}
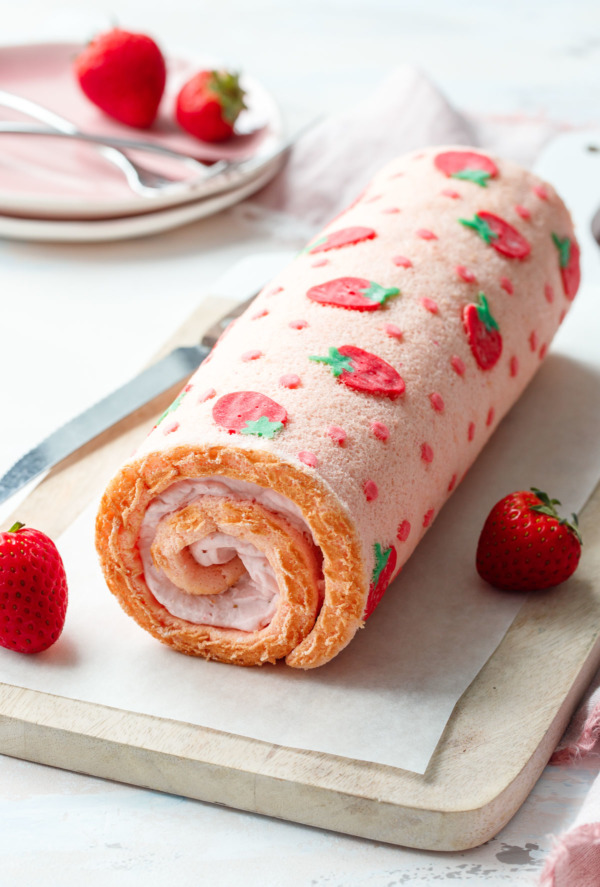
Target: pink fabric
{"points": [[575, 858], [334, 159]]}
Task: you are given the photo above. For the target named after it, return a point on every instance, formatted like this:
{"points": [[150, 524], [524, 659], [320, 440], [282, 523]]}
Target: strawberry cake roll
{"points": [[275, 500]]}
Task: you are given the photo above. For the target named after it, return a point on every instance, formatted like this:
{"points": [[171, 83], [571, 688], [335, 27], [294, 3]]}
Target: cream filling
{"points": [[251, 602]]}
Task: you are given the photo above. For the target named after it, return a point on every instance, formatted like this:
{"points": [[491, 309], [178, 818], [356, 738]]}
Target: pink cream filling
{"points": [[251, 603]]}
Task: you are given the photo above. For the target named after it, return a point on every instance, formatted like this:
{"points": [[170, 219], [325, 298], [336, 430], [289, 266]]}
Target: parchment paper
{"points": [[388, 696]]}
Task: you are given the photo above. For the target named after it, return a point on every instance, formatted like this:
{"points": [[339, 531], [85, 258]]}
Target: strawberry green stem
{"points": [[563, 245], [381, 558], [338, 362], [16, 526], [226, 85], [547, 507], [481, 227], [479, 176], [484, 313]]}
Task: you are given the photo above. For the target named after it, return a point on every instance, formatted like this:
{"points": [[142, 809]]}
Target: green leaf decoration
{"points": [[479, 176], [380, 294], [481, 227], [311, 246], [262, 427], [563, 245], [172, 407], [381, 558], [547, 508], [484, 313], [338, 362]]}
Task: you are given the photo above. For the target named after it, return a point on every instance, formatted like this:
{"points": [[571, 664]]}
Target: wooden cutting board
{"points": [[494, 747]]}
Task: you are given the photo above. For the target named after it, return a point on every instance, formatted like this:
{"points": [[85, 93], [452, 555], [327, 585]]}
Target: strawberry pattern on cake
{"points": [[380, 373]]}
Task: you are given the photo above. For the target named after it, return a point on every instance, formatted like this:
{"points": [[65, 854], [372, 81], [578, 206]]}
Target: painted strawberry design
{"points": [[249, 412], [483, 333], [568, 257], [385, 564], [343, 237], [467, 165], [503, 237], [355, 293], [363, 371]]}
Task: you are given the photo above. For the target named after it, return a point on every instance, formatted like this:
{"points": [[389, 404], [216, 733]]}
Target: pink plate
{"points": [[54, 178]]}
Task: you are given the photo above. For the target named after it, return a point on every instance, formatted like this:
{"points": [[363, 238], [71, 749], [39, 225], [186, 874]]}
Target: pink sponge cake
{"points": [[267, 512]]}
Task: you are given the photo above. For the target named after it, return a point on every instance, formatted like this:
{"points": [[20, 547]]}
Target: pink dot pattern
{"points": [[337, 434], [251, 355], [430, 305], [458, 364], [290, 380], [371, 490], [465, 274], [380, 430], [402, 262], [549, 293], [522, 211], [298, 324], [514, 365], [426, 234], [471, 431], [426, 453], [393, 331], [437, 401], [450, 192], [428, 517], [506, 285], [308, 458], [207, 395], [403, 531]]}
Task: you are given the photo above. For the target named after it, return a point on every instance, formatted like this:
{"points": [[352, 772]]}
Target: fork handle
{"points": [[26, 129]]}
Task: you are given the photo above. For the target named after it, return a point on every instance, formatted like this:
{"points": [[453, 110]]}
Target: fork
{"points": [[140, 179]]}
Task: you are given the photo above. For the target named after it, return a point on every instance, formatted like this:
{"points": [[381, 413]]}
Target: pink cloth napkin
{"points": [[575, 858], [335, 159]]}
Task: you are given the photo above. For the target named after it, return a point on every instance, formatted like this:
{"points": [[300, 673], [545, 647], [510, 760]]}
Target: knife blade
{"points": [[175, 367]]}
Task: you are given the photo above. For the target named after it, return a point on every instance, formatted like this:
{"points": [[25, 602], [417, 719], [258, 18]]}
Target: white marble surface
{"points": [[58, 303]]}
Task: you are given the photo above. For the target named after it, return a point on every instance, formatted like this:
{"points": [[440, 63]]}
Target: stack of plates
{"points": [[54, 189]]}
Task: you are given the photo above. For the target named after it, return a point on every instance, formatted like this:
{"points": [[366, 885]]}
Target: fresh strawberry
{"points": [[503, 237], [343, 237], [355, 293], [249, 412], [568, 257], [124, 75], [33, 590], [525, 545], [467, 165], [363, 371], [483, 333], [209, 104], [385, 564]]}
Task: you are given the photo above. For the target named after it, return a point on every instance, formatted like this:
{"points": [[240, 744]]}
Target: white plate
{"points": [[60, 179], [129, 227]]}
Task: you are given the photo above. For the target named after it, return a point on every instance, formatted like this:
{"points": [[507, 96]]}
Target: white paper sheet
{"points": [[388, 696]]}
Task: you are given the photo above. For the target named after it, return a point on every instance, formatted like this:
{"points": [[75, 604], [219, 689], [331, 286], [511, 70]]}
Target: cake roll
{"points": [[273, 503]]}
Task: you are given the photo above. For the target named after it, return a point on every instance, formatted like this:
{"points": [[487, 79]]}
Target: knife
{"points": [[175, 367]]}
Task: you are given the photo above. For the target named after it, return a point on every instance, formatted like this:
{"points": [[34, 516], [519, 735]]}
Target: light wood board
{"points": [[495, 745]]}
